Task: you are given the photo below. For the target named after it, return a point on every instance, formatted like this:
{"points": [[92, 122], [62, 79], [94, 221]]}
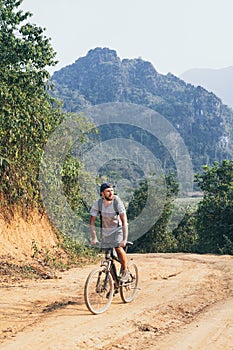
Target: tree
{"points": [[27, 112], [215, 212], [158, 238], [29, 115], [186, 234]]}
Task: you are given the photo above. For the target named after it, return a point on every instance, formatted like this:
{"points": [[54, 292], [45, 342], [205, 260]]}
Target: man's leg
{"points": [[122, 257]]}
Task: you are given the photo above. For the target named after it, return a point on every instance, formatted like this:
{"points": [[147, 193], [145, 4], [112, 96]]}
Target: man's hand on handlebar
{"points": [[94, 241], [123, 243]]}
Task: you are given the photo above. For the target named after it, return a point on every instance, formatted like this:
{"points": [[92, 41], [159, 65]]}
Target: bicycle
{"points": [[99, 286]]}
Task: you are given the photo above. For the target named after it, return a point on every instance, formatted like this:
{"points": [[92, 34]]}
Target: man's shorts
{"points": [[113, 240]]}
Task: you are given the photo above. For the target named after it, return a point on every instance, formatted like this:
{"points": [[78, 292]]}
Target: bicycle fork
{"points": [[99, 288]]}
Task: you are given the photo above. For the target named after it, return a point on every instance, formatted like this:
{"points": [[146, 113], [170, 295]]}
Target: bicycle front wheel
{"points": [[98, 291], [129, 289]]}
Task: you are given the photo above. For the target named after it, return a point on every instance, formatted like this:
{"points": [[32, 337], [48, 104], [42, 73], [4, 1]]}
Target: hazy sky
{"points": [[174, 35]]}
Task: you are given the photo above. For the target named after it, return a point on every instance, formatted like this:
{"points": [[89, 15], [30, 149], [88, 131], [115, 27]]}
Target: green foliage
{"points": [[75, 253], [186, 234], [28, 117], [158, 238], [215, 212], [77, 182], [64, 181], [27, 112], [75, 249]]}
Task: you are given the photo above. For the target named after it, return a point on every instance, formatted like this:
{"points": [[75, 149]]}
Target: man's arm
{"points": [[124, 221], [92, 229]]}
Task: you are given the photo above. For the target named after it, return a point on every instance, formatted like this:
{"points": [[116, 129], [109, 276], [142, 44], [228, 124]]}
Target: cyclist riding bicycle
{"points": [[114, 226]]}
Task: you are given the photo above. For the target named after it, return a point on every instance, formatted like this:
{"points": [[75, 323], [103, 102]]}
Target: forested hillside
{"points": [[203, 121]]}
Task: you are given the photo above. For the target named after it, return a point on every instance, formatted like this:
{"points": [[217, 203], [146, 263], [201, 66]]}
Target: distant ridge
{"points": [[219, 81]]}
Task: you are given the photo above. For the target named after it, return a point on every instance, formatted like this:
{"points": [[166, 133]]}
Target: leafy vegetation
{"points": [[27, 112], [158, 238], [215, 212], [29, 115], [207, 226]]}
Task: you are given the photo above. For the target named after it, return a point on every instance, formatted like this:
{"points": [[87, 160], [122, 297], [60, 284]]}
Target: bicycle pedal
{"points": [[116, 291]]}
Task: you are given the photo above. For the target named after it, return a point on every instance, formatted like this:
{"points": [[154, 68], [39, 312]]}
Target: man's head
{"points": [[107, 191]]}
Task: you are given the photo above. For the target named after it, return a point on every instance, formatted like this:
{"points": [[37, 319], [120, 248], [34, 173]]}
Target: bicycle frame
{"points": [[108, 262]]}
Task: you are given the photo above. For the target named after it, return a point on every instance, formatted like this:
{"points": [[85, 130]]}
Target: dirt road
{"points": [[185, 302]]}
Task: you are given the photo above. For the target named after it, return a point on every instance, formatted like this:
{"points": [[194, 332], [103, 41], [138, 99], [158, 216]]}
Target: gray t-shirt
{"points": [[111, 222]]}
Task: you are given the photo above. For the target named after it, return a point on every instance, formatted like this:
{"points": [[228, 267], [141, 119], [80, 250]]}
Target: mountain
{"points": [[219, 81], [203, 121]]}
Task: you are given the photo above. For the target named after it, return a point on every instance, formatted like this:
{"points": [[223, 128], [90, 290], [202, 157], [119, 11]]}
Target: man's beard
{"points": [[109, 198]]}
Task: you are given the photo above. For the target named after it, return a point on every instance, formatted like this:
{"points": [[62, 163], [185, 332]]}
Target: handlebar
{"points": [[103, 245]]}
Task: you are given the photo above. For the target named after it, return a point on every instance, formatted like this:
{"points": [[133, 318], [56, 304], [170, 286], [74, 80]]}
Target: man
{"points": [[114, 224]]}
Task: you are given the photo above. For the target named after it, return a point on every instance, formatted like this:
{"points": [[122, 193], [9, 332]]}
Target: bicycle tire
{"points": [[128, 289], [97, 298]]}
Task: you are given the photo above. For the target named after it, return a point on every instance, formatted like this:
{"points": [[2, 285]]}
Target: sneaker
{"points": [[125, 276]]}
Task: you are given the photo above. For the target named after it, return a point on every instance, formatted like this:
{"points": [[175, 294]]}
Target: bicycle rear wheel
{"points": [[129, 289], [98, 292]]}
